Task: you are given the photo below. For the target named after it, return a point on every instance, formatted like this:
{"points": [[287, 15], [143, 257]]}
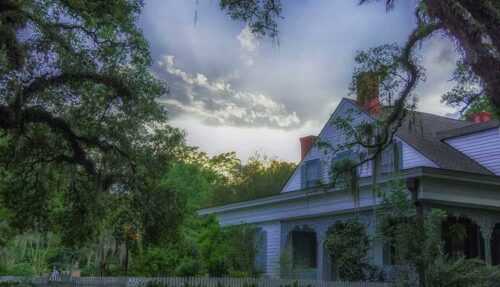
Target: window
{"points": [[391, 158], [311, 173], [462, 237], [340, 167], [304, 249], [348, 154]]}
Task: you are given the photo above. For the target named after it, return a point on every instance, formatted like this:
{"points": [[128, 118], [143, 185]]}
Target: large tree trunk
{"points": [[476, 26]]}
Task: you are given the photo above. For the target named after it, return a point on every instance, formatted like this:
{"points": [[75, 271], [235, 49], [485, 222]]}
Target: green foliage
{"points": [[383, 63], [416, 245], [344, 175], [156, 261], [86, 154], [13, 284], [188, 267], [260, 177], [260, 15], [286, 263], [191, 182], [79, 117], [468, 95], [28, 254], [448, 272], [348, 243], [226, 251]]}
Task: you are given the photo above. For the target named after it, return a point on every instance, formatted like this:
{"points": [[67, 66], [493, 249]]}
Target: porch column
{"points": [[321, 254], [486, 226]]}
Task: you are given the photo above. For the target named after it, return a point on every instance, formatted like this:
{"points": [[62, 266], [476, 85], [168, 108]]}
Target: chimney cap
{"points": [[367, 92], [481, 117]]}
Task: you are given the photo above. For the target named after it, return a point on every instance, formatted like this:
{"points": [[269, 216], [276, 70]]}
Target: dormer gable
{"points": [[314, 169]]}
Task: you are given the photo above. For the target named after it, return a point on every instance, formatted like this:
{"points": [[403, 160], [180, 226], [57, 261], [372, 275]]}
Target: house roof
{"points": [[424, 132], [469, 129]]}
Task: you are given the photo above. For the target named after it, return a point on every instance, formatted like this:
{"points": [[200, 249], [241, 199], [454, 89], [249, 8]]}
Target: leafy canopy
{"points": [[79, 121]]}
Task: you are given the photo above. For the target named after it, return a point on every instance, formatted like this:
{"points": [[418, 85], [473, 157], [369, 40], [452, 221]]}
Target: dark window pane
{"points": [[304, 249]]}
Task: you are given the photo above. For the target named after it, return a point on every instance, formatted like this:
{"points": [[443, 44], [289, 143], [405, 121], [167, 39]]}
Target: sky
{"points": [[232, 91]]}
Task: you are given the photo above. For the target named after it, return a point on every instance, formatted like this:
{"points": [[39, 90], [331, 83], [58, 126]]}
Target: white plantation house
{"points": [[452, 164]]}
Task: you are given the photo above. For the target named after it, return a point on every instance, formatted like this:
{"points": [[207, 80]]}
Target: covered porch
{"points": [[296, 223], [467, 232], [472, 233], [304, 254]]}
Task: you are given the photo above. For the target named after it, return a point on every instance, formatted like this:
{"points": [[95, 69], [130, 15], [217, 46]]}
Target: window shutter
{"points": [[398, 155], [376, 164], [303, 176], [261, 250], [387, 160], [310, 173], [386, 254], [318, 171]]}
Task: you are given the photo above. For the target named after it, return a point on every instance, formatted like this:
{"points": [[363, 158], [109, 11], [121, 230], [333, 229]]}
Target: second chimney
{"points": [[306, 143], [480, 117], [367, 90]]}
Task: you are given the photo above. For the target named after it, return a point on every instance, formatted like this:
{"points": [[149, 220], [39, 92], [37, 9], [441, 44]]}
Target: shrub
{"points": [[461, 272], [155, 261], [19, 269], [188, 267], [349, 244]]}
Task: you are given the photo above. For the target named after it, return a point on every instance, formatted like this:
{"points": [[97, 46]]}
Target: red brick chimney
{"points": [[480, 117], [367, 91], [306, 143]]}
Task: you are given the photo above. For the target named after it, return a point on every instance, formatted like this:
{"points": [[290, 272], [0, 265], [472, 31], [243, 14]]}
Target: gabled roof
{"points": [[469, 129], [423, 131], [294, 172]]}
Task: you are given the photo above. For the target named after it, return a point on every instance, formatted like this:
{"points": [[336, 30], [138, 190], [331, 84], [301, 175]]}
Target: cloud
{"points": [[248, 40], [248, 44], [438, 59], [218, 139], [231, 90], [218, 103]]}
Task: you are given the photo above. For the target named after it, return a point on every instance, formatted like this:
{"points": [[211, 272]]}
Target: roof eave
{"points": [[418, 172]]}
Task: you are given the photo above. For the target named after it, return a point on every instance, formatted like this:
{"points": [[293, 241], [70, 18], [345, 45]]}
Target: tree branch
{"points": [[34, 115], [41, 84], [475, 27]]}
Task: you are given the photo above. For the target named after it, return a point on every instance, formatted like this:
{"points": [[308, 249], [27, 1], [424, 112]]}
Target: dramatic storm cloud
{"points": [[233, 91], [218, 103]]}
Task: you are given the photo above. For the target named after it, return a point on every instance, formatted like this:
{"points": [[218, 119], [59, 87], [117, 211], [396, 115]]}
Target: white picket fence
{"points": [[189, 282], [21, 279]]}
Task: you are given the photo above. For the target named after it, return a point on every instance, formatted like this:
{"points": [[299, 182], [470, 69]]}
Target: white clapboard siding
{"points": [[412, 158], [483, 147], [273, 237], [331, 135]]}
